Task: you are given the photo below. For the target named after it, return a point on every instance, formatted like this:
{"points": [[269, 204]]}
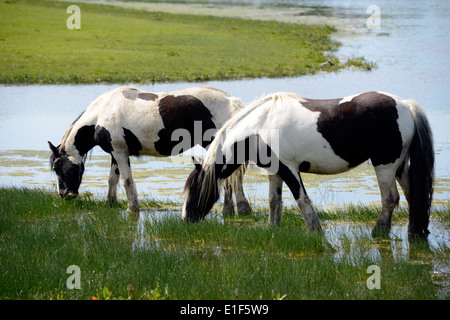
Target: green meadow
{"points": [[158, 256], [116, 45], [155, 255]]}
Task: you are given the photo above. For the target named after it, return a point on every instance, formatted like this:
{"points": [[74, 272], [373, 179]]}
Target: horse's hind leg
{"points": [[275, 200], [113, 180], [123, 163], [403, 178], [389, 197], [228, 204]]}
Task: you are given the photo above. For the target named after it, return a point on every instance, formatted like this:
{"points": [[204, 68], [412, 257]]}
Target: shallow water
{"points": [[336, 233], [411, 51], [349, 242]]}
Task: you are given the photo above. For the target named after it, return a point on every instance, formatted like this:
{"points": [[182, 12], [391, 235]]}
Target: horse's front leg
{"points": [[295, 184], [308, 211], [228, 204], [243, 206], [123, 164], [113, 180], [275, 200]]}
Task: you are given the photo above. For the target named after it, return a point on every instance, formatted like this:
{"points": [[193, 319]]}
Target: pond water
{"points": [[410, 49]]}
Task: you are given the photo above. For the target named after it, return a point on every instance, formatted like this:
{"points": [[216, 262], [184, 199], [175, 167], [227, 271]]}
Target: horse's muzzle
{"points": [[69, 196]]}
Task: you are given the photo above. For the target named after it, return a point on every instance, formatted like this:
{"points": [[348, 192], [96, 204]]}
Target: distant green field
{"points": [[122, 46], [158, 256]]}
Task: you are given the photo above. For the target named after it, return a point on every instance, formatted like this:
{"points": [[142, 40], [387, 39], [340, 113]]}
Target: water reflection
{"points": [[348, 236], [354, 243], [143, 221]]}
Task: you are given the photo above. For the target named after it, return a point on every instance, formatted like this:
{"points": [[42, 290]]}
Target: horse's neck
{"points": [[237, 129], [78, 141]]}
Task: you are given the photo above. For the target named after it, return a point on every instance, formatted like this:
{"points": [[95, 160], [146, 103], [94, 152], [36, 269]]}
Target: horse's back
{"points": [[335, 135], [152, 118], [370, 125]]}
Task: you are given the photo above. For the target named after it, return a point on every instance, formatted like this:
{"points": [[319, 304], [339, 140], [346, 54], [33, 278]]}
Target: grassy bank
{"points": [[158, 256], [121, 46]]}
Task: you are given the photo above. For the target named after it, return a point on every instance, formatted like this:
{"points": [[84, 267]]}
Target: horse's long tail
{"points": [[421, 172]]}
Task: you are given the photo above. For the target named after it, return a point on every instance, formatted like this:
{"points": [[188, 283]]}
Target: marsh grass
{"points": [[156, 255], [118, 45]]}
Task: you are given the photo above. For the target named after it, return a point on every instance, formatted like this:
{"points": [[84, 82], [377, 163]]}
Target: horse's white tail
{"points": [[421, 172]]}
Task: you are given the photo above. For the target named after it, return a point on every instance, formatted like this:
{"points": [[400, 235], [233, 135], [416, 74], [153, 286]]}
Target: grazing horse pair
{"points": [[284, 133], [128, 122]]}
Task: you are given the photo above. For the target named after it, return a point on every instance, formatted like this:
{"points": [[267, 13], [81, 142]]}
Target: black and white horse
{"points": [[287, 134], [128, 122]]}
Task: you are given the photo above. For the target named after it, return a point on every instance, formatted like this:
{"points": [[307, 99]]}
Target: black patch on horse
{"points": [[304, 166], [261, 153], [364, 128], [133, 94], [133, 143], [69, 174], [102, 138], [130, 94], [147, 96], [180, 113], [88, 137], [252, 148], [84, 139]]}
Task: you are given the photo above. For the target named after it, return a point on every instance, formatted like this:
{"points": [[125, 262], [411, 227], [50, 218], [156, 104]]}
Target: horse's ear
{"points": [[54, 149]]}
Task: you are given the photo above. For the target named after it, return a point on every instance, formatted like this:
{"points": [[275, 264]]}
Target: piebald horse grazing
{"points": [[287, 134], [128, 122]]}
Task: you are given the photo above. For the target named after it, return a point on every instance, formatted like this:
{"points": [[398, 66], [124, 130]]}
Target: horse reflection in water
{"points": [[128, 122], [323, 137]]}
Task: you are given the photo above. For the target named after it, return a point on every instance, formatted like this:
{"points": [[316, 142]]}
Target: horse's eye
{"points": [[56, 167]]}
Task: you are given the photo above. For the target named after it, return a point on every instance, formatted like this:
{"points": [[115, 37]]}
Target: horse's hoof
{"points": [[317, 229], [133, 209], [228, 211], [381, 231], [244, 208], [111, 199]]}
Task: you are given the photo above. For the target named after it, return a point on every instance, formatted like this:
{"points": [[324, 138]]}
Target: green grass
{"points": [[122, 46], [361, 63], [159, 256]]}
